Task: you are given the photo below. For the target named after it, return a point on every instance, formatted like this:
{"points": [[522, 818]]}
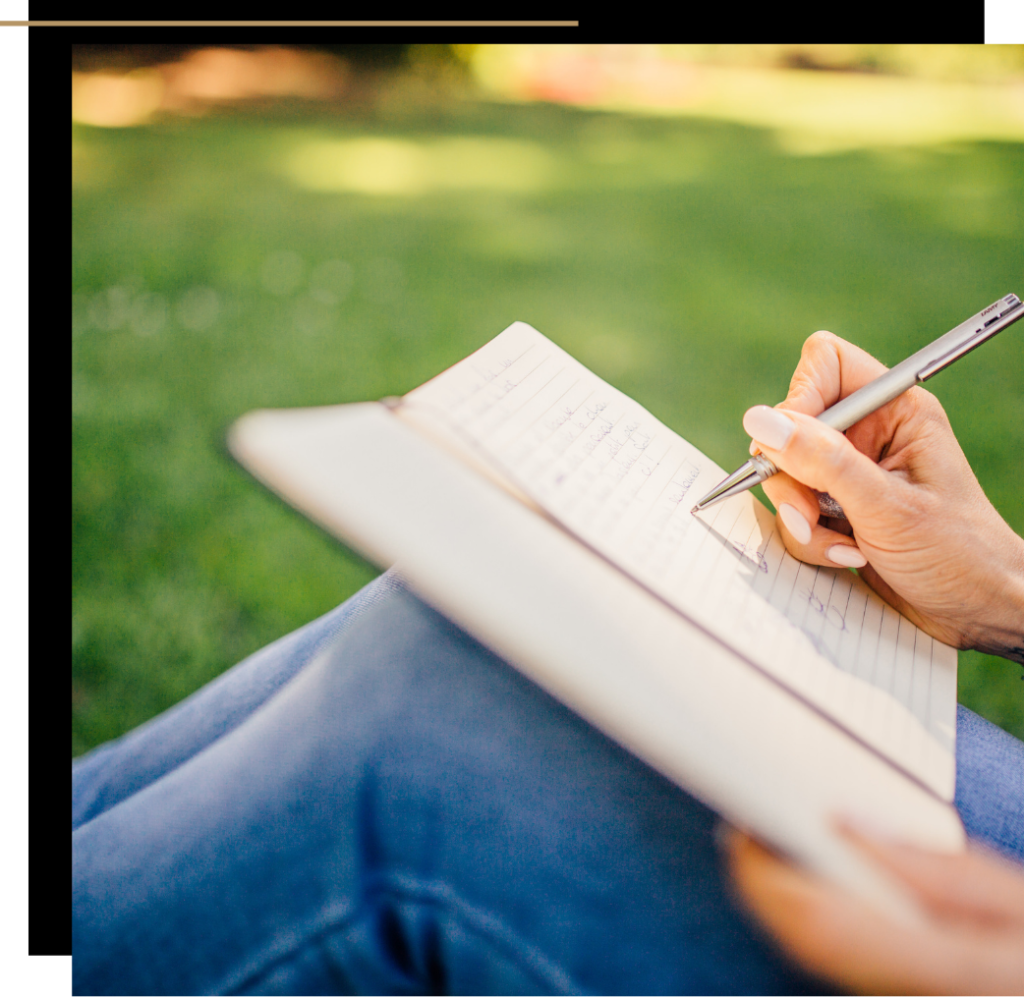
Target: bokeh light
{"points": [[388, 166], [201, 80]]}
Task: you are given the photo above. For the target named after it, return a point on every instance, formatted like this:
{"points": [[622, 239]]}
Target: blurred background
{"points": [[274, 226]]}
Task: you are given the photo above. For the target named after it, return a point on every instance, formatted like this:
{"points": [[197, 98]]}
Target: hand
{"points": [[920, 530], [972, 941]]}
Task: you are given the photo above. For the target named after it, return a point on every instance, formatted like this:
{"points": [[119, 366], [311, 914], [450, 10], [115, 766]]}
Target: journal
{"points": [[548, 514]]}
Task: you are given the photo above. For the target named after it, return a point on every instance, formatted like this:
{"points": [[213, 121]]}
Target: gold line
{"points": [[289, 24]]}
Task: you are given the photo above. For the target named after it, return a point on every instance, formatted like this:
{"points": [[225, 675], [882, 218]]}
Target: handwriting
{"points": [[754, 555], [682, 487], [613, 475], [830, 612]]}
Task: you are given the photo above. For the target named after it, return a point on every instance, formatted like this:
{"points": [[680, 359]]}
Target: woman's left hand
{"points": [[972, 941]]}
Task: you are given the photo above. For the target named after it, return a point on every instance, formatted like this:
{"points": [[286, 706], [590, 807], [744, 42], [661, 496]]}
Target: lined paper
{"points": [[614, 476]]}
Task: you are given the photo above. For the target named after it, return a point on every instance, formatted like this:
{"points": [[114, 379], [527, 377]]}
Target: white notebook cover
{"points": [[666, 687]]}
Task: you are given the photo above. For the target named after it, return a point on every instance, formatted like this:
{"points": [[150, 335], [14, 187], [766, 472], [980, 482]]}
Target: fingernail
{"points": [[768, 426], [754, 448], [795, 523], [847, 556]]}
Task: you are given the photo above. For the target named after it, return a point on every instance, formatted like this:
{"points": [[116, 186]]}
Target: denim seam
{"points": [[487, 927]]}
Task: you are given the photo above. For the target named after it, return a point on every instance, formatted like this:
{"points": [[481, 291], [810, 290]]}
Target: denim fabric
{"points": [[990, 783], [378, 804], [115, 770]]}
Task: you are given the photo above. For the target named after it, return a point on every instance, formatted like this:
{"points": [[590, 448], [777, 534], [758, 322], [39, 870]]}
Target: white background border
{"points": [[1004, 22]]}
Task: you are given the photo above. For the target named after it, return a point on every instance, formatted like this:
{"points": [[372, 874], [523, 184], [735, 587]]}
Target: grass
{"points": [[225, 264]]}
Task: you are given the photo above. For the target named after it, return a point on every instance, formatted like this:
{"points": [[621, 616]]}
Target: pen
{"points": [[916, 369]]}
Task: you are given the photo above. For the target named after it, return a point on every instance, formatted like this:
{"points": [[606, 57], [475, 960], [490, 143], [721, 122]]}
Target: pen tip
{"points": [[695, 510]]}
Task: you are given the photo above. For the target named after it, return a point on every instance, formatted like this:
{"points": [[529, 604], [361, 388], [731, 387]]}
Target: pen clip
{"points": [[1013, 310]]}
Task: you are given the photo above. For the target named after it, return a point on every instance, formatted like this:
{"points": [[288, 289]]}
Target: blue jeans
{"points": [[377, 804]]}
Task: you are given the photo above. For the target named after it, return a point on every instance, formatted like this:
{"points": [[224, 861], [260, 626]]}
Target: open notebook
{"points": [[549, 515]]}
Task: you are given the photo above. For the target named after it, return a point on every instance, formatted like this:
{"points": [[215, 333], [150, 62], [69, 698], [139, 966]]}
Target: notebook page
{"points": [[617, 478]]}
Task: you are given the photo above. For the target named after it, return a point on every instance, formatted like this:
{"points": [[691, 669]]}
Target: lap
{"points": [[402, 812], [115, 770]]}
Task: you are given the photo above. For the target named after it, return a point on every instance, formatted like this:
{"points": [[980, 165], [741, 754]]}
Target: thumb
{"points": [[821, 457]]}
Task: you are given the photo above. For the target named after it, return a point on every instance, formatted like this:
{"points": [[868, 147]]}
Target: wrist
{"points": [[999, 628]]}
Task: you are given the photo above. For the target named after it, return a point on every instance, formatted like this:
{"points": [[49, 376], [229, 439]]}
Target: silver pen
{"points": [[915, 369]]}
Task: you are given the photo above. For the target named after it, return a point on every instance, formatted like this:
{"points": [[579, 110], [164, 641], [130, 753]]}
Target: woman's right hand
{"points": [[935, 548]]}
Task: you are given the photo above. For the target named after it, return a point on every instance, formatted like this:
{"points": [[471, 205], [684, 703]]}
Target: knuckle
{"points": [[927, 412], [818, 347], [802, 382], [930, 406], [818, 367], [923, 400], [820, 341]]}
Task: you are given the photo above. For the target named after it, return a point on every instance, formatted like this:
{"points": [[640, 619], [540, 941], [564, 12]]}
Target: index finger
{"points": [[837, 936], [976, 883], [830, 368]]}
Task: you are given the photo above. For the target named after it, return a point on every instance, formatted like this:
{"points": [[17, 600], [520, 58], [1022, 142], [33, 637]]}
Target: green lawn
{"points": [[225, 264]]}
